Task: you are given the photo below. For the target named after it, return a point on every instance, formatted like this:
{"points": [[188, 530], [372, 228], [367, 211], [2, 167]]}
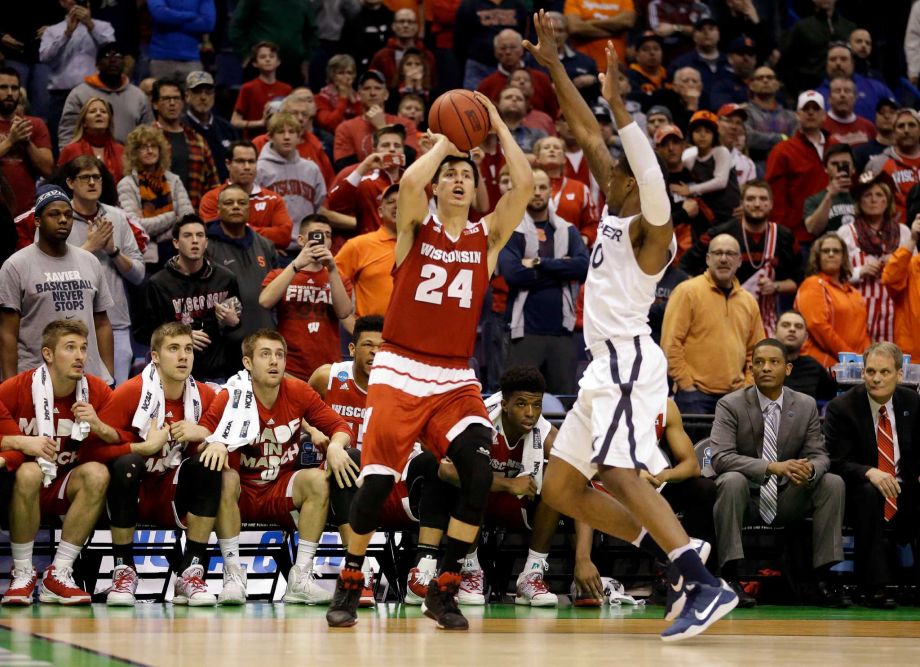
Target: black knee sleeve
{"points": [[198, 489], [470, 453], [340, 499], [124, 488], [430, 497], [365, 508]]}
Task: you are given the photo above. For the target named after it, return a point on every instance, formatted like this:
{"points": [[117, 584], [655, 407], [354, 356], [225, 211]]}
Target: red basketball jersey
{"points": [[438, 292], [506, 459], [345, 397]]}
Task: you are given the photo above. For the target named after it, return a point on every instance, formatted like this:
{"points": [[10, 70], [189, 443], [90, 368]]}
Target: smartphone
{"points": [[844, 168], [234, 303], [316, 238]]}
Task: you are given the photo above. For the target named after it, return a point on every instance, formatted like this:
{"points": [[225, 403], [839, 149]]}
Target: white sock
{"points": [[230, 550], [305, 553], [472, 561], [535, 561], [428, 564], [638, 541], [674, 555], [65, 556], [22, 555]]}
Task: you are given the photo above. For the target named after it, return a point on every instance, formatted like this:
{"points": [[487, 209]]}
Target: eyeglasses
{"points": [[719, 254], [148, 147], [171, 98], [89, 178], [831, 251]]}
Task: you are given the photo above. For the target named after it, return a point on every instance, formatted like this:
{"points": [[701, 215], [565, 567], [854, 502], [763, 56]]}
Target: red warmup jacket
{"points": [[795, 171], [543, 99]]}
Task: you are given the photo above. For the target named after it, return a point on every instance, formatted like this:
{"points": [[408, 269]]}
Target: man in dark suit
{"points": [[767, 438], [873, 432]]}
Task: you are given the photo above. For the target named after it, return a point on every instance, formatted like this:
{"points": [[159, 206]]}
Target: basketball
{"points": [[459, 116]]}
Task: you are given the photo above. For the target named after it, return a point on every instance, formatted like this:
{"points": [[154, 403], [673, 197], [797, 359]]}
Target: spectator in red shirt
{"points": [[413, 76], [337, 101], [842, 124], [570, 198], [25, 145], [522, 79], [794, 167], [249, 112], [354, 138], [93, 136], [309, 299], [268, 214], [412, 107], [405, 36], [358, 192], [509, 52]]}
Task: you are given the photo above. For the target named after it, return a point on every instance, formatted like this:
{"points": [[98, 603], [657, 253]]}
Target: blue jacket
{"points": [[178, 26], [719, 87], [868, 93]]}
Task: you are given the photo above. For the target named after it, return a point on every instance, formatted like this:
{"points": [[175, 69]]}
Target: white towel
{"points": [[239, 425], [43, 402], [532, 456], [152, 407]]}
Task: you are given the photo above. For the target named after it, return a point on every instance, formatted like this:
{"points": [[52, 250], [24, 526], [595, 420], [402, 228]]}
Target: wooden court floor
{"points": [[263, 634]]}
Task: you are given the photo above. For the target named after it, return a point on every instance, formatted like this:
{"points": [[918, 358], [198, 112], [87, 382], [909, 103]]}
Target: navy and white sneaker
{"points": [[676, 587], [705, 605]]}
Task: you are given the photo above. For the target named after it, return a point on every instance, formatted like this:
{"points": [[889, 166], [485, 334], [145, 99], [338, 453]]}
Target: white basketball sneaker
{"points": [[532, 589], [124, 585], [472, 587], [233, 592], [192, 590], [303, 589]]}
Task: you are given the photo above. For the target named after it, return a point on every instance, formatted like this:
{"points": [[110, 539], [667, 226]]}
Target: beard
{"points": [[8, 107], [758, 219]]}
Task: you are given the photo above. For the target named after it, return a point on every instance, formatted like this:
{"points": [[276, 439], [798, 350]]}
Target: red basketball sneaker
{"points": [[417, 587], [367, 593], [22, 588], [58, 587]]}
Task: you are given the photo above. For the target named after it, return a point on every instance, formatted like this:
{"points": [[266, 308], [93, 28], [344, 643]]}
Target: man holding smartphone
{"points": [[833, 207], [357, 190], [309, 298]]}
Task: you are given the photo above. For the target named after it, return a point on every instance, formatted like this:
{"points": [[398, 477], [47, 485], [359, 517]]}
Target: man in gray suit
{"points": [[768, 439]]}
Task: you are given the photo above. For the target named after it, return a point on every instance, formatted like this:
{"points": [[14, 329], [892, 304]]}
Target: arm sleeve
{"points": [[343, 197], [839, 436], [896, 274], [653, 193], [53, 41], [575, 267], [68, 122], [509, 260]]}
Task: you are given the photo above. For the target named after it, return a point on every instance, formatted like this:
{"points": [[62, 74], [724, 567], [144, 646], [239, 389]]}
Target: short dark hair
{"points": [[57, 329], [365, 324], [6, 70], [165, 82], [240, 143], [792, 311], [249, 343], [772, 342], [271, 46], [313, 217], [80, 163], [187, 219], [757, 183], [395, 128], [168, 330], [453, 159], [837, 149], [522, 378]]}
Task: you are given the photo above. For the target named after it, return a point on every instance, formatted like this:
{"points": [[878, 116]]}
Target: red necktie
{"points": [[886, 457]]}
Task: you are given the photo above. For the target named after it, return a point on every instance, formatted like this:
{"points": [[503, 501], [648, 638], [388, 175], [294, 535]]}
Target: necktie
{"points": [[885, 443], [768, 492]]}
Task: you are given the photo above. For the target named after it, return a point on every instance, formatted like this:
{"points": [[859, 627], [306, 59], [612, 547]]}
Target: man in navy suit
{"points": [[872, 433], [772, 467]]}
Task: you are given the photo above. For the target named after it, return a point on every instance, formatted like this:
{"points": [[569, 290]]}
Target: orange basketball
{"points": [[459, 116]]}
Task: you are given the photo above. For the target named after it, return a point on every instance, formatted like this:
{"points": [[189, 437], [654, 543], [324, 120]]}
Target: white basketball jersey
{"points": [[618, 293]]}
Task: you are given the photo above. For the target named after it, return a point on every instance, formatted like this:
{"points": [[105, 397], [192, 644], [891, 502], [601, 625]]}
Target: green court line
{"points": [[44, 651]]}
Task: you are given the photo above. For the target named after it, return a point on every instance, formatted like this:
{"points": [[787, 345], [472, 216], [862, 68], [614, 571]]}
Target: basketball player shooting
{"points": [[421, 386], [610, 430]]}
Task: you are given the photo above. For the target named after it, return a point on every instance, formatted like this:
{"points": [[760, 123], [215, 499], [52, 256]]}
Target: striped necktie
{"points": [[768, 492], [885, 442]]}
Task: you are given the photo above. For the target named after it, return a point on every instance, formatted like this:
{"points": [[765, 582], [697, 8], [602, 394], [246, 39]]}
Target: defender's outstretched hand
{"points": [[545, 50], [610, 80]]}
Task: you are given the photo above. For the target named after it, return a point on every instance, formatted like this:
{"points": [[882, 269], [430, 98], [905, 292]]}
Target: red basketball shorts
{"points": [[270, 502]]}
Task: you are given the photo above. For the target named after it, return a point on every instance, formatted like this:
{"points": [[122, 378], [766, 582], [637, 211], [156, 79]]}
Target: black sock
{"points": [[430, 550], [124, 554], [196, 553], [353, 562], [650, 546], [454, 555]]}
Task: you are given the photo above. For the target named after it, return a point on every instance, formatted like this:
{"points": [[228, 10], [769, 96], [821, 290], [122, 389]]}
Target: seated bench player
{"points": [[255, 423], [521, 441], [419, 497], [679, 482], [59, 401], [156, 475]]}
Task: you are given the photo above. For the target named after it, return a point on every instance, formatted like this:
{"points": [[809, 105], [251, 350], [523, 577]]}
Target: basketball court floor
{"points": [[263, 634]]}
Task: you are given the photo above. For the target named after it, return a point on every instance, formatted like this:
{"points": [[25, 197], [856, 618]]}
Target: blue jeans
{"points": [[696, 402]]}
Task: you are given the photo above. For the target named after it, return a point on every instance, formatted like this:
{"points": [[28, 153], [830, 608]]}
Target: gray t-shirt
{"points": [[42, 288]]}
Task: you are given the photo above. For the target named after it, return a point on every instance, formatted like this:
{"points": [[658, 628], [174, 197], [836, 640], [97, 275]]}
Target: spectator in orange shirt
{"points": [[571, 198], [901, 276], [367, 261], [834, 311], [315, 142], [591, 24], [249, 112], [268, 215], [354, 138]]}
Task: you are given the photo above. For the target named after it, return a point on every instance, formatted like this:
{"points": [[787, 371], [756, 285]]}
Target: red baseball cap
{"points": [[730, 108], [666, 131]]}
